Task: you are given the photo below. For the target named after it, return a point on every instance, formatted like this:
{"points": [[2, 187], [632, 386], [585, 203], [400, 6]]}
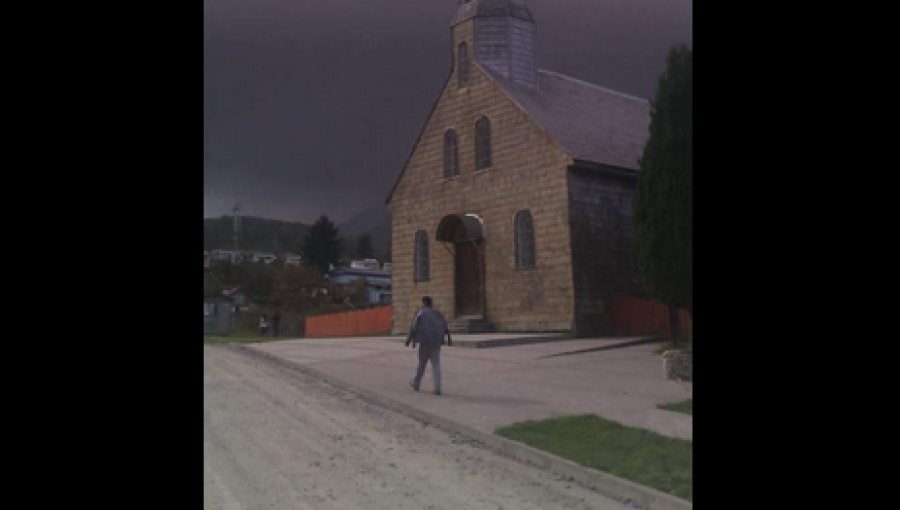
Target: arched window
{"points": [[483, 144], [451, 154], [524, 240], [421, 257], [462, 71]]}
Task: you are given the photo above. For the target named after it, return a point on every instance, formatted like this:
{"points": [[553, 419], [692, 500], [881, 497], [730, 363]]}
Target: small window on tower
{"points": [[483, 144], [462, 72], [451, 154]]}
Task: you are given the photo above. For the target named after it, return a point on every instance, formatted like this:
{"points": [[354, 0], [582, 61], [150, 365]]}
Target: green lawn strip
{"points": [[234, 339], [644, 457], [686, 407]]}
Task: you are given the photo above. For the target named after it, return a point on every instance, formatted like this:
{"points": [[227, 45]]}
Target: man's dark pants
{"points": [[425, 355]]}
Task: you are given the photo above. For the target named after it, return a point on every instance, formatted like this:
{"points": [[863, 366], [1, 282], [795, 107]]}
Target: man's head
{"points": [[426, 302]]}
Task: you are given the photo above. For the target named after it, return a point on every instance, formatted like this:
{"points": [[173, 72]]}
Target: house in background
{"points": [[378, 283], [218, 316], [365, 264], [255, 257], [291, 259], [239, 299], [260, 256], [234, 257]]}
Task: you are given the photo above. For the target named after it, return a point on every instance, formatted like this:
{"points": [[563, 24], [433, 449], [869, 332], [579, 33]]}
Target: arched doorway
{"points": [[465, 234]]}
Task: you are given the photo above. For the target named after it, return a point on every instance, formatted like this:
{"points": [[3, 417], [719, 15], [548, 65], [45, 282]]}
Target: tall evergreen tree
{"points": [[663, 207], [323, 245], [212, 286], [364, 248]]}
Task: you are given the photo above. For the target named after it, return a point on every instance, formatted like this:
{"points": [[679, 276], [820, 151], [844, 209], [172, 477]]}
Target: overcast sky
{"points": [[311, 106]]}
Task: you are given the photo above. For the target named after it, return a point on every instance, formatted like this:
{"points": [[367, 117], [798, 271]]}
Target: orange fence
{"points": [[635, 316], [374, 321]]}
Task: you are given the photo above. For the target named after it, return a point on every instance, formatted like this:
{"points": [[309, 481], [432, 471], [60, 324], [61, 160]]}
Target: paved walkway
{"points": [[619, 379]]}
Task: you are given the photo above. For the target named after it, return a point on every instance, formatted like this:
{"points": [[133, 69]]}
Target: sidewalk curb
{"points": [[620, 489], [504, 342]]}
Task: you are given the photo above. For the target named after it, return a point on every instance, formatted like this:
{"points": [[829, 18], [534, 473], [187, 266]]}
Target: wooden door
{"points": [[468, 279]]}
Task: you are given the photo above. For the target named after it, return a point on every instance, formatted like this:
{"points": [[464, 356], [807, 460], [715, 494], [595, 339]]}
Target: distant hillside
{"points": [[258, 234], [375, 221]]}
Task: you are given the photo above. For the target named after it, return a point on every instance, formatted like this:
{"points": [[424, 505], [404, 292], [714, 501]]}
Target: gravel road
{"points": [[275, 438]]}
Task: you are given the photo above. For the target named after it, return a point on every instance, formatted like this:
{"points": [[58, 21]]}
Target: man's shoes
{"points": [[412, 384], [437, 392]]}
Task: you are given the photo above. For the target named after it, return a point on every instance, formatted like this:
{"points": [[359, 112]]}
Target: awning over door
{"points": [[457, 228]]}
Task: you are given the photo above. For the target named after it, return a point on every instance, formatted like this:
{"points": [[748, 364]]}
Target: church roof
{"points": [[589, 122]]}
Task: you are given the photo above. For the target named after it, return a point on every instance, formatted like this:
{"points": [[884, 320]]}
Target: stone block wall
{"points": [[528, 172], [679, 365]]}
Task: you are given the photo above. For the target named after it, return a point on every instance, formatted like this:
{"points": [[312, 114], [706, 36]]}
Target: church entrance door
{"points": [[469, 288], [465, 232]]}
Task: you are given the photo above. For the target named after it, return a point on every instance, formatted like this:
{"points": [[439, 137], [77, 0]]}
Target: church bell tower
{"points": [[498, 34]]}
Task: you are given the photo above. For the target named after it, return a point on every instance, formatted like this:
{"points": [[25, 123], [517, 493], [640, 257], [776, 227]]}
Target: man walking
{"points": [[263, 325], [428, 330]]}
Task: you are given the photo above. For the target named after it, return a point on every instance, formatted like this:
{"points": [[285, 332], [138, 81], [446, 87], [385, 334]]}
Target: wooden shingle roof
{"points": [[589, 122]]}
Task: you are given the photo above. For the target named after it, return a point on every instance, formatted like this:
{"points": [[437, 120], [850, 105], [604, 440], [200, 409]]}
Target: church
{"points": [[513, 210]]}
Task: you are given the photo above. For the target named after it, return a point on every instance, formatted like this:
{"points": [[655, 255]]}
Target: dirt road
{"points": [[274, 438]]}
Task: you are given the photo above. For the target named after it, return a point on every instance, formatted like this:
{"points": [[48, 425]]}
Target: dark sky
{"points": [[311, 106]]}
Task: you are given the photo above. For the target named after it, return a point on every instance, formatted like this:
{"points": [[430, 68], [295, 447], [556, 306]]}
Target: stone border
{"points": [[622, 490], [678, 365], [503, 342]]}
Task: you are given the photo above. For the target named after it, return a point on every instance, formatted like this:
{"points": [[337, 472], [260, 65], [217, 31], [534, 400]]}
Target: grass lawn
{"points": [[235, 339], [644, 457], [686, 407]]}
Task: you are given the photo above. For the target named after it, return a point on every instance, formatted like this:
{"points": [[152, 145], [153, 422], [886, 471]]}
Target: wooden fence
{"points": [[369, 322], [633, 316]]}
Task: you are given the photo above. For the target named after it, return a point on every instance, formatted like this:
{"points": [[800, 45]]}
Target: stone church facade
{"points": [[513, 210]]}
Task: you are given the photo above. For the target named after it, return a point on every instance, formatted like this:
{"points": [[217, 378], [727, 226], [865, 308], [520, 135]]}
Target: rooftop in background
{"points": [[349, 271], [365, 264]]}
